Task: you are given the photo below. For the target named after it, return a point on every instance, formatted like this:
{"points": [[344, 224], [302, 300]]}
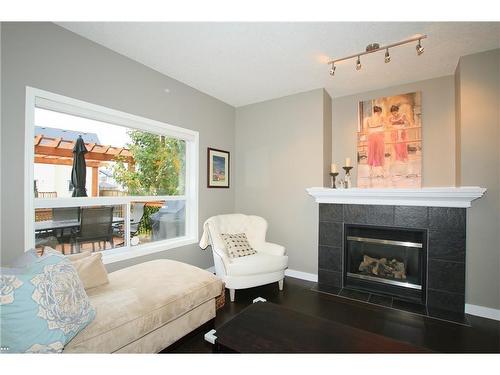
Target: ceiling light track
{"points": [[375, 47]]}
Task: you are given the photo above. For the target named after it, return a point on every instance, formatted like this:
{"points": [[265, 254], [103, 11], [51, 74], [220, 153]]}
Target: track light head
{"points": [[332, 70], [358, 64], [419, 48], [387, 58]]}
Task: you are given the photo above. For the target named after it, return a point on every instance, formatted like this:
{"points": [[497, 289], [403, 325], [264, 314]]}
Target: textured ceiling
{"points": [[243, 63]]}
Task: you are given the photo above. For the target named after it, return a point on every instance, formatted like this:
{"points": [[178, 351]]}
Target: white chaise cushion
{"points": [[257, 264]]}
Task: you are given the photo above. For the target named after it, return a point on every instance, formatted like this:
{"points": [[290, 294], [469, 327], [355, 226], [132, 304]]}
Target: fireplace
{"points": [[434, 273], [397, 248], [388, 261]]}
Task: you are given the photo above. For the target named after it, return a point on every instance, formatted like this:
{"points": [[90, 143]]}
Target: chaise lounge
{"points": [[147, 307]]}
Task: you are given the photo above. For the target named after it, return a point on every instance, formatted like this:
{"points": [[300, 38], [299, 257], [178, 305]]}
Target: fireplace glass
{"points": [[385, 260]]}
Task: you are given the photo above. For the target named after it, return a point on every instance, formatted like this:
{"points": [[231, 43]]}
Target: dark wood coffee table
{"points": [[265, 327]]}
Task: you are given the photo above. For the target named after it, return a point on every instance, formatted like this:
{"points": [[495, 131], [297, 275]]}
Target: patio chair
{"points": [[51, 241], [136, 217], [65, 214], [96, 225]]}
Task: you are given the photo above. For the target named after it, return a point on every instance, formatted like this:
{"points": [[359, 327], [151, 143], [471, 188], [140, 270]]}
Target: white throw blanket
{"points": [[253, 226], [205, 237]]}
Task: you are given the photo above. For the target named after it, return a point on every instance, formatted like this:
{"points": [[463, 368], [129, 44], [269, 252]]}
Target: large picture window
{"points": [[104, 180]]}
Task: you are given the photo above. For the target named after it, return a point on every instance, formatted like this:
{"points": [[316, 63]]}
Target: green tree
{"points": [[159, 165]]}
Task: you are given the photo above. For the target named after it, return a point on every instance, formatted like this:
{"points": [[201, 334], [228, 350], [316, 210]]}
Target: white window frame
{"points": [[47, 100]]}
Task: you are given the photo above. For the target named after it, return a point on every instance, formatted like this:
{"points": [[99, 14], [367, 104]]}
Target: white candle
{"points": [[347, 162], [333, 168]]}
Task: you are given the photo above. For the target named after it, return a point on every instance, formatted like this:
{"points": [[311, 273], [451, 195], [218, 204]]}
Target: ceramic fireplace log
{"points": [[382, 267]]}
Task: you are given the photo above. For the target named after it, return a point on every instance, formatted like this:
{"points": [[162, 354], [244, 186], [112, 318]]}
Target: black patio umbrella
{"points": [[79, 170]]}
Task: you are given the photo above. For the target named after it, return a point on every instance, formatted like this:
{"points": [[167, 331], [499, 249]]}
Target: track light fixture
{"points": [[358, 64], [387, 58], [375, 47], [419, 48], [332, 70]]}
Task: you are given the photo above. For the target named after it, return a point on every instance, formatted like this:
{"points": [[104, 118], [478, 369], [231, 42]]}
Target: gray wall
{"points": [[48, 57], [327, 138], [478, 77], [279, 154], [438, 126]]}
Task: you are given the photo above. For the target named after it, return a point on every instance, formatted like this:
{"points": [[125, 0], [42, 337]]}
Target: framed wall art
{"points": [[217, 168], [389, 146]]}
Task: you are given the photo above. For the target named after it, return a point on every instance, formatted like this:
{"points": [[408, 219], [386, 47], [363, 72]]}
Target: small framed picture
{"points": [[217, 168]]}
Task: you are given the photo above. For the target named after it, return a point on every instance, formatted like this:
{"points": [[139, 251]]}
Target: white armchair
{"points": [[265, 267]]}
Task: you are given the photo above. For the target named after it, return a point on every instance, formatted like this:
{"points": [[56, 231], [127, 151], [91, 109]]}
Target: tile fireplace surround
{"points": [[441, 212]]}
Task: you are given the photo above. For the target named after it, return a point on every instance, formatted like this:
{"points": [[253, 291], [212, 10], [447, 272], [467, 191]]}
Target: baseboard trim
{"points": [[484, 312], [301, 275], [288, 272]]}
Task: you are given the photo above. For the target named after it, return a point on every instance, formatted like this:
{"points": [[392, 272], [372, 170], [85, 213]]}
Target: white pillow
{"points": [[90, 268], [237, 245]]}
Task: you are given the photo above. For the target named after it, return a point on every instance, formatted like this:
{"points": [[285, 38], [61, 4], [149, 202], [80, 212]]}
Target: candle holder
{"points": [[334, 176], [347, 180]]}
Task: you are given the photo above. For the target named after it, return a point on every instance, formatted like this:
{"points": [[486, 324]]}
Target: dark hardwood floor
{"points": [[482, 336]]}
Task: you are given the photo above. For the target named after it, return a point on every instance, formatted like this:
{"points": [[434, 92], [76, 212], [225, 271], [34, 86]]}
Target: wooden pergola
{"points": [[58, 151]]}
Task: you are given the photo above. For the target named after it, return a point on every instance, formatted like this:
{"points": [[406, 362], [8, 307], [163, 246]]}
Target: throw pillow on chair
{"points": [[237, 245]]}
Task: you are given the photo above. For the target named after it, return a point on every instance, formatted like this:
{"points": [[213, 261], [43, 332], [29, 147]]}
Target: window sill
{"points": [[146, 249]]}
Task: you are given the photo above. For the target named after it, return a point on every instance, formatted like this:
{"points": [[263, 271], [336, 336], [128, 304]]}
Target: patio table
{"points": [[47, 225]]}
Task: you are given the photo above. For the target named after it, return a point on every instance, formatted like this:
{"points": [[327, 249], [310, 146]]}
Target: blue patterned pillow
{"points": [[43, 304]]}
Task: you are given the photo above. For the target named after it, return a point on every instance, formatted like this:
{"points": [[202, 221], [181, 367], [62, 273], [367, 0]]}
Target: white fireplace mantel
{"points": [[430, 197]]}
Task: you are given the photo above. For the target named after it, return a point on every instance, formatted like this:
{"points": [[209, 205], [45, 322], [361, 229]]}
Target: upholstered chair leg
{"points": [[280, 283], [231, 294]]}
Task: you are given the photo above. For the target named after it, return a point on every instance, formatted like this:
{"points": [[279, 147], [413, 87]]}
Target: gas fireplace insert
{"points": [[386, 260]]}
